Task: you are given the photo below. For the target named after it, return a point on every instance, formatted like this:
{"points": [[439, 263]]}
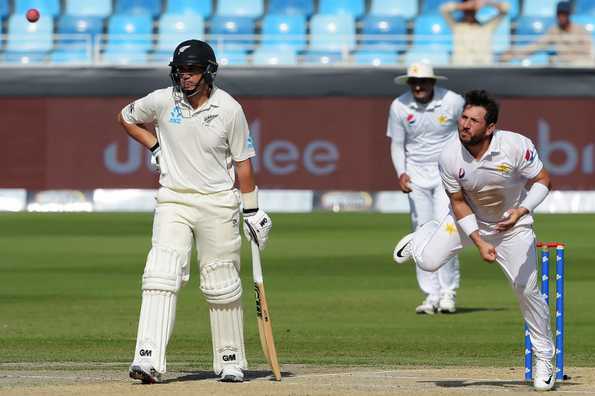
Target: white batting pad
{"points": [[162, 279], [227, 329]]}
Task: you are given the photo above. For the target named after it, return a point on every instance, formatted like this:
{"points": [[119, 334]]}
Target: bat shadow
{"points": [[466, 310], [209, 375], [501, 384]]}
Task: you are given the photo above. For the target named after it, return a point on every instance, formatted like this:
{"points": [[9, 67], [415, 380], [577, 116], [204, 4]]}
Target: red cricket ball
{"points": [[32, 15]]}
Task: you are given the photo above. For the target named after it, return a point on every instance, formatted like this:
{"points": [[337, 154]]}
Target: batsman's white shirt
{"points": [[422, 131], [495, 182], [197, 145]]}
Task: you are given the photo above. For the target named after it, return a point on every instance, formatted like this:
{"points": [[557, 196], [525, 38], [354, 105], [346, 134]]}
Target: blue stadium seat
{"points": [[489, 12], [202, 7], [332, 32], [584, 7], [29, 37], [80, 25], [375, 58], [588, 21], [543, 8], [432, 6], [432, 31], [23, 58], [274, 56], [4, 9], [537, 59], [69, 57], [45, 7], [290, 7], [117, 57], [225, 58], [434, 56], [101, 8], [322, 57], [355, 8], [384, 32], [243, 8], [527, 28], [225, 31], [284, 30], [134, 7], [175, 28], [405, 8], [129, 33], [501, 37]]}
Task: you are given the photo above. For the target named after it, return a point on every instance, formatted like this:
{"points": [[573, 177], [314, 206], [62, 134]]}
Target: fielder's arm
{"points": [[468, 223], [138, 132]]}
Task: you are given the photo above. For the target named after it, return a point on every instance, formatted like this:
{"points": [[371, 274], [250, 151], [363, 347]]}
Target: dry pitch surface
{"points": [[108, 380]]}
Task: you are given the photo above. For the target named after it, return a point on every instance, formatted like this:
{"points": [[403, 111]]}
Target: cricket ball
{"points": [[32, 15]]}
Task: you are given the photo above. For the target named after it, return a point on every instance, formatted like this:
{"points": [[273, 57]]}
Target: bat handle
{"points": [[256, 266]]}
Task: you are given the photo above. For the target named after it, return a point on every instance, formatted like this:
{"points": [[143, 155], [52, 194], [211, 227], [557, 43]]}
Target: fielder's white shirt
{"points": [[494, 183], [421, 131], [197, 145]]}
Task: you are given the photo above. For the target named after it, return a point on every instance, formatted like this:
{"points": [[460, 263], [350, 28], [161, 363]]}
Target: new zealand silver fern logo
{"points": [[210, 118]]}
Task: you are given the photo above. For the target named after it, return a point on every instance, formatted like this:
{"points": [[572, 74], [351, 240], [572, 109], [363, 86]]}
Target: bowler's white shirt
{"points": [[197, 145], [494, 183], [423, 130]]}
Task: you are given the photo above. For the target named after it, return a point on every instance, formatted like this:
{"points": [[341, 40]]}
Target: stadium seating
{"points": [[243, 8], [202, 7], [488, 12], [584, 7], [232, 58], [501, 38], [322, 57], [225, 31], [332, 32], [432, 31], [436, 57], [528, 28], [24, 58], [117, 57], [129, 33], [432, 6], [272, 56], [375, 58], [291, 7], [588, 21], [138, 7], [543, 8], [404, 8], [80, 25], [354, 8], [284, 30], [101, 8], [175, 28], [4, 10], [69, 56], [537, 59], [29, 37], [384, 33], [45, 7]]}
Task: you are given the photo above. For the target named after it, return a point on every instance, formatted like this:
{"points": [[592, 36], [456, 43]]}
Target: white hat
{"points": [[418, 70]]}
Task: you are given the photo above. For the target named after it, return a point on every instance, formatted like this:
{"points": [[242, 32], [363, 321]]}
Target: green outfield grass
{"points": [[70, 291]]}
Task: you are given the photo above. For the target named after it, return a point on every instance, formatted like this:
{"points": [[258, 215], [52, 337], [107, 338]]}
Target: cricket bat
{"points": [[265, 330]]}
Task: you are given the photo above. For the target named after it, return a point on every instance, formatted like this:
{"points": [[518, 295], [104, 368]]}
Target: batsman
{"points": [[201, 142]]}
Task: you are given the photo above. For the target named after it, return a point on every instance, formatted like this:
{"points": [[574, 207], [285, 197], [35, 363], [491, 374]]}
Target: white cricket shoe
{"points": [[232, 374], [147, 374], [544, 375], [402, 251], [447, 302], [428, 307]]}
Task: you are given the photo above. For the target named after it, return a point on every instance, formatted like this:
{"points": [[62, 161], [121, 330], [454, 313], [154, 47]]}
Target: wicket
{"points": [[545, 291]]}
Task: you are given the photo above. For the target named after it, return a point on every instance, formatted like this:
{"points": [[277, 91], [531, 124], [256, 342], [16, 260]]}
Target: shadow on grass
{"points": [[502, 384], [209, 375], [466, 310]]}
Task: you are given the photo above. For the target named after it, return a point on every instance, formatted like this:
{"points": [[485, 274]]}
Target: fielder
{"points": [[202, 135], [486, 173], [420, 123]]}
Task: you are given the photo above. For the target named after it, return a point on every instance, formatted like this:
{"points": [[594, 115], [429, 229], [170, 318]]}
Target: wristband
{"points": [[535, 196], [250, 201], [468, 224], [154, 148]]}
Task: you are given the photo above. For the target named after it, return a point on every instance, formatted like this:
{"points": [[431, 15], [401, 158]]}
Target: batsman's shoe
{"points": [[148, 375], [402, 251], [447, 303], [544, 375], [232, 374], [428, 307]]}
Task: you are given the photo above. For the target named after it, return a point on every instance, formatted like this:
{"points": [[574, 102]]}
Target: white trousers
{"points": [[428, 204], [436, 242]]}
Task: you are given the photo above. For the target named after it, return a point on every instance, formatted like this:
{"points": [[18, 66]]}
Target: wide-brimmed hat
{"points": [[418, 70]]}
